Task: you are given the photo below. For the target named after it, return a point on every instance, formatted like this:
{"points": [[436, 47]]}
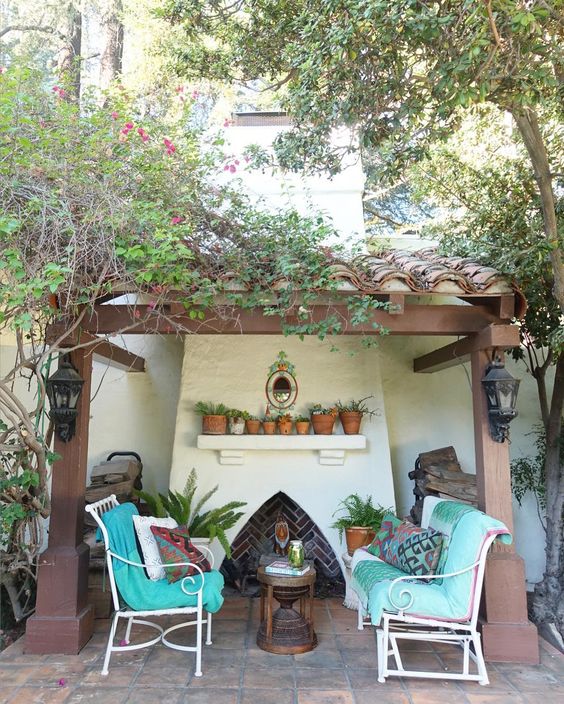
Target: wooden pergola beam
{"points": [[501, 336], [415, 320], [116, 356]]}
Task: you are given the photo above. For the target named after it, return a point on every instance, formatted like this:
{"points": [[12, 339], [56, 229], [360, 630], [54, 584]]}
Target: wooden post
{"points": [[63, 621], [507, 634]]}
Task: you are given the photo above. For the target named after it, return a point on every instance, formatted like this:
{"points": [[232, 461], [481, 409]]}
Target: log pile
{"points": [[438, 473]]}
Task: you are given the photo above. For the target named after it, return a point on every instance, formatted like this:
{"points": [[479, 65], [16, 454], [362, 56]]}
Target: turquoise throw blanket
{"points": [[136, 589], [451, 598]]}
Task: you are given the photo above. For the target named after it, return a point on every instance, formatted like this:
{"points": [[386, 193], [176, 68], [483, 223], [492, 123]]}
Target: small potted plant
{"points": [[323, 419], [352, 413], [360, 521], [236, 421], [268, 424], [285, 423], [252, 424], [302, 425], [214, 417]]}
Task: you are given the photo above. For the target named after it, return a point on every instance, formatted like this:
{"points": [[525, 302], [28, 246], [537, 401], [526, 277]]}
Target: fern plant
{"points": [[359, 512], [211, 524]]}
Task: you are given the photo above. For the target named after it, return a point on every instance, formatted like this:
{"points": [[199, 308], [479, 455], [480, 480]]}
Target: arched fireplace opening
{"points": [[255, 542]]}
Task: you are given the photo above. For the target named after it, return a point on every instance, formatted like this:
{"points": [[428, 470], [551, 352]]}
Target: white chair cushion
{"points": [[149, 548]]}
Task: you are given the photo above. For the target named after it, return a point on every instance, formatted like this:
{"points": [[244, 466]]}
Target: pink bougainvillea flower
{"points": [[170, 148], [129, 125], [226, 122], [233, 168], [237, 162], [42, 123], [247, 159], [62, 682], [125, 132], [137, 314], [3, 69], [195, 94], [176, 220], [144, 136], [226, 167], [114, 115], [151, 305], [123, 643], [55, 89], [180, 89]]}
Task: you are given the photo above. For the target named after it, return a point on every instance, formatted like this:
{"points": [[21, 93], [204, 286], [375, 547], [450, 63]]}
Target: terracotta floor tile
{"points": [[6, 693], [157, 675], [260, 658], [118, 676], [15, 674], [382, 697], [266, 696], [366, 657], [166, 695], [367, 679], [431, 697], [327, 658], [282, 678], [551, 696], [109, 695], [43, 695], [325, 696], [219, 677], [485, 697], [320, 678], [50, 675], [360, 639]]}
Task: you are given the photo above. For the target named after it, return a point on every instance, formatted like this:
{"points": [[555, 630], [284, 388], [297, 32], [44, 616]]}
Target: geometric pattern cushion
{"points": [[175, 546], [414, 550], [387, 529], [148, 544]]}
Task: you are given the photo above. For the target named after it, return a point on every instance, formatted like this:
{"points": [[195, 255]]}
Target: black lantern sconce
{"points": [[501, 392], [63, 390]]}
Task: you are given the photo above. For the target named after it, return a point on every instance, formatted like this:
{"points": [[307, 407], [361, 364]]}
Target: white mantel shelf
{"points": [[232, 448]]}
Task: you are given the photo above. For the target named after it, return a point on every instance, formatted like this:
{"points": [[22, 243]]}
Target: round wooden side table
{"points": [[286, 631]]}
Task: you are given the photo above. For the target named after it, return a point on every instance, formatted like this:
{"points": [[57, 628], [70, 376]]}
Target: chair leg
{"points": [[199, 614], [484, 680], [360, 613], [108, 655], [380, 650], [128, 629], [209, 629]]}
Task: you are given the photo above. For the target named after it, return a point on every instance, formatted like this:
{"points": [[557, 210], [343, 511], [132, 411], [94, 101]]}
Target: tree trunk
{"points": [[112, 56], [527, 123], [549, 594], [69, 57]]}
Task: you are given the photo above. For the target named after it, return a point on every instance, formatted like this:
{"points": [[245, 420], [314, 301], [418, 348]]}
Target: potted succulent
{"points": [[284, 423], [360, 521], [302, 425], [214, 417], [352, 413], [207, 525], [323, 419], [268, 424], [252, 424], [236, 419]]}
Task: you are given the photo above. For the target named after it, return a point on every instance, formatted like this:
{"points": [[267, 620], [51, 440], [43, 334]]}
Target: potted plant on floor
{"points": [[207, 525], [214, 417], [285, 423], [352, 413], [302, 425], [236, 419], [252, 424], [360, 521], [323, 419]]}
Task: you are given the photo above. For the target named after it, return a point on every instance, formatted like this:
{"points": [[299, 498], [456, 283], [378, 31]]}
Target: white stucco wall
{"points": [[428, 411], [234, 369]]}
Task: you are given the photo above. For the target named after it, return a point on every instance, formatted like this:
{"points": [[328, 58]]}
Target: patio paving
{"points": [[341, 670]]}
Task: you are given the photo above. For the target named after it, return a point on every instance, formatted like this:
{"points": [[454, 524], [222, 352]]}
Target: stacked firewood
{"points": [[438, 473]]}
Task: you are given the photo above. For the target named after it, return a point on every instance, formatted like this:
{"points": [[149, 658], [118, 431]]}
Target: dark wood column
{"points": [[507, 634], [63, 621]]}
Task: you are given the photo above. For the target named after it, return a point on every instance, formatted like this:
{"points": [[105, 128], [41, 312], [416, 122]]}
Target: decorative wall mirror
{"points": [[281, 385]]}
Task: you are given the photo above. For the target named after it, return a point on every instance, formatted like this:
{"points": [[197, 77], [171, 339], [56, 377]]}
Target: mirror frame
{"points": [[284, 374]]}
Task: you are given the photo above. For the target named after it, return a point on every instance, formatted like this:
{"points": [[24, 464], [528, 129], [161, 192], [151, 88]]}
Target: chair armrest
{"points": [[409, 577], [167, 564]]}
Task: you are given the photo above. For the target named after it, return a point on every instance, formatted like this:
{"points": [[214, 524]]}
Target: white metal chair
{"points": [[412, 626], [96, 510]]}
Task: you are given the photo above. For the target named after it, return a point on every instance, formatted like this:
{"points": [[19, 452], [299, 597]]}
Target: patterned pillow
{"points": [[387, 528], [414, 550], [175, 546], [148, 544]]}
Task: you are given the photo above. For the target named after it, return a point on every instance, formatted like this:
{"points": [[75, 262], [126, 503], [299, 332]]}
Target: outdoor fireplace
{"points": [[256, 539]]}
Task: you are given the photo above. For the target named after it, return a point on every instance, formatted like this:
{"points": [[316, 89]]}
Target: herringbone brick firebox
{"points": [[257, 538]]}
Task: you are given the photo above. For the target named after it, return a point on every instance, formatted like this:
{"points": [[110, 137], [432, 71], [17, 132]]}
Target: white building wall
{"points": [[234, 370]]}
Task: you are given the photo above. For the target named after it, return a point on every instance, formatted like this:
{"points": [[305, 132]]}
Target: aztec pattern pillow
{"points": [[414, 550], [148, 544], [175, 546], [387, 529]]}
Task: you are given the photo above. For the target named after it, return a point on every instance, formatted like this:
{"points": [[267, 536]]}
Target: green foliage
{"points": [[359, 512], [209, 408], [235, 413], [356, 406], [302, 419], [318, 410], [211, 524]]}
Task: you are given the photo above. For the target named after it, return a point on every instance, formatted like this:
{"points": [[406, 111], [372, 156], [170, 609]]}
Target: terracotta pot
{"points": [[302, 427], [269, 426], [214, 425], [236, 426], [322, 424], [284, 427], [253, 426], [350, 420], [357, 536]]}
